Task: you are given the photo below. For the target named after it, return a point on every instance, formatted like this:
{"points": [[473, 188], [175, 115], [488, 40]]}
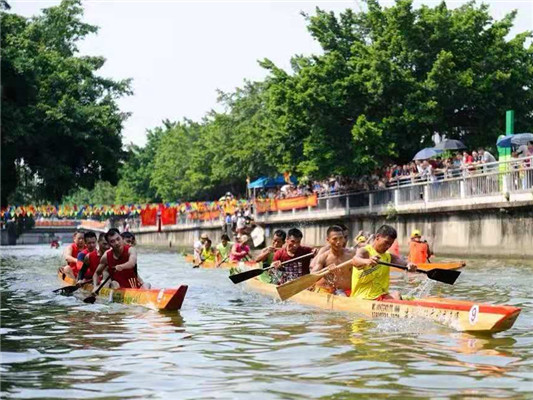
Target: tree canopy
{"points": [[386, 81], [60, 118]]}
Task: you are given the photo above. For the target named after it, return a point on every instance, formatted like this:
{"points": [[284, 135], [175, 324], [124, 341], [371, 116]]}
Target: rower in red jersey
{"points": [[71, 255], [88, 258], [119, 262]]}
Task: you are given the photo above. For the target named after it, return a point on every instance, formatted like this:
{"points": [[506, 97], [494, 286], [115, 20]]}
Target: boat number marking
{"points": [[160, 295], [473, 314]]}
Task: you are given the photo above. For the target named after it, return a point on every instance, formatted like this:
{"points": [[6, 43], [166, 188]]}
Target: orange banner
{"points": [[204, 216], [297, 202], [267, 205]]}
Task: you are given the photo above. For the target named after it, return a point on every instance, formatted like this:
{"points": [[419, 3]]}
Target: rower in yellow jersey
{"points": [[207, 253], [370, 280]]}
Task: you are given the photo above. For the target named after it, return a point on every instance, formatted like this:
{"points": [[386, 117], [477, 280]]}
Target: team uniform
{"points": [[75, 252], [372, 282], [208, 255], [127, 278], [94, 260], [295, 269]]}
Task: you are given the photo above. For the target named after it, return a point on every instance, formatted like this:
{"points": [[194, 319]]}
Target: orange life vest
{"points": [[418, 252]]}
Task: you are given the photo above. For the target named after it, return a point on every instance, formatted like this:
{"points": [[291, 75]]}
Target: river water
{"points": [[230, 343]]}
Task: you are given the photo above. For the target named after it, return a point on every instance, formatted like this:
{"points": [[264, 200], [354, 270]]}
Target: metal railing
{"points": [[500, 178]]}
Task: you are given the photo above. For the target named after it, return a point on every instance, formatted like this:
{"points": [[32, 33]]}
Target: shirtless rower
{"points": [[119, 262], [339, 281], [324, 249], [369, 279], [71, 255]]}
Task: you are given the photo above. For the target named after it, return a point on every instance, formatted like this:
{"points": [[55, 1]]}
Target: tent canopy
{"points": [[266, 182]]}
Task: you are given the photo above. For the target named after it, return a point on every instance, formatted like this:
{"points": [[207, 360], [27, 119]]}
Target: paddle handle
{"points": [[222, 262], [102, 284], [401, 267], [291, 260]]}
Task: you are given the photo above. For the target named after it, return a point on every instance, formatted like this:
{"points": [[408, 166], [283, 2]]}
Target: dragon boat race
{"points": [[288, 200]]}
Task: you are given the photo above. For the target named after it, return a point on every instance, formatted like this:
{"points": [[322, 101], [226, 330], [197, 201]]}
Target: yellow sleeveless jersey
{"points": [[208, 255], [371, 281]]}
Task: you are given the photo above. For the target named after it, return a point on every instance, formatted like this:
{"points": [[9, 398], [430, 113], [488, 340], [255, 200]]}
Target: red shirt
{"points": [[75, 252], [94, 260], [127, 278], [294, 269]]}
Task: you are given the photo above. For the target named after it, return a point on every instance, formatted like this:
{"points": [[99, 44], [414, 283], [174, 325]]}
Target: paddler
{"points": [[223, 249], [292, 249], [339, 282], [208, 253], [419, 251], [129, 238], [198, 246], [325, 249], [120, 262], [71, 255], [240, 249], [370, 280], [267, 254], [88, 259]]}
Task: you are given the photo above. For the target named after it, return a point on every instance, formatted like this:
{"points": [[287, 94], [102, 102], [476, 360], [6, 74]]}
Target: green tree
{"points": [[59, 118], [102, 193]]}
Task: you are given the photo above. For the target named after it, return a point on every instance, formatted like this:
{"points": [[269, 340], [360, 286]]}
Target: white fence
{"points": [[487, 180]]}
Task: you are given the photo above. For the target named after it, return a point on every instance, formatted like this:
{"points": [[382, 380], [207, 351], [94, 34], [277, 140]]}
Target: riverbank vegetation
{"points": [[386, 81]]}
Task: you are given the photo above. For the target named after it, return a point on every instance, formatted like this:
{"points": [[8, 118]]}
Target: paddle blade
{"points": [[295, 286], [66, 290], [90, 300], [443, 275], [244, 276]]}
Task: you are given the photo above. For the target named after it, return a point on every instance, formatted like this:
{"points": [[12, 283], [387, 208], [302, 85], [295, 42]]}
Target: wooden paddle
{"points": [[244, 276], [222, 262], [92, 298], [198, 266], [448, 276], [295, 286], [289, 289]]}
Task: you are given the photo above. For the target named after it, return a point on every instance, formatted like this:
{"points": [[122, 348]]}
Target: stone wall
{"points": [[502, 232]]}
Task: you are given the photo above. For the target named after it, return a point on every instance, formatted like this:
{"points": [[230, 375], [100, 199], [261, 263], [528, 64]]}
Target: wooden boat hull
{"points": [[225, 265], [160, 299], [460, 315]]}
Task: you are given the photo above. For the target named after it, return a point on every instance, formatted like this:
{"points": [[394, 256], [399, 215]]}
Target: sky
{"points": [[179, 53]]}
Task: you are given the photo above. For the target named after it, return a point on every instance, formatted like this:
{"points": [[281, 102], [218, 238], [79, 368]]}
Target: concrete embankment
{"points": [[497, 229]]}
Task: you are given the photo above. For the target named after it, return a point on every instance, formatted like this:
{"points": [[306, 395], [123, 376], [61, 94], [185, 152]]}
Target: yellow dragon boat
{"points": [[460, 315]]}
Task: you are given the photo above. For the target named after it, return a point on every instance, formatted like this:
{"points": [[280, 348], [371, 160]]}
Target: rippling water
{"points": [[229, 343]]}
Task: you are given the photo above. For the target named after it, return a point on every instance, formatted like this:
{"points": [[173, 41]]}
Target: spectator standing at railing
{"points": [[486, 157], [427, 171]]}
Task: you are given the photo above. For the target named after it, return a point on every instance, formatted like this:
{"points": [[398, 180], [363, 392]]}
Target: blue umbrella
{"points": [[515, 140], [426, 153]]}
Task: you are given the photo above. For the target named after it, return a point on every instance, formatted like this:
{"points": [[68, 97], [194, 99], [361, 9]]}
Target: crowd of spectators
{"points": [[453, 165]]}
